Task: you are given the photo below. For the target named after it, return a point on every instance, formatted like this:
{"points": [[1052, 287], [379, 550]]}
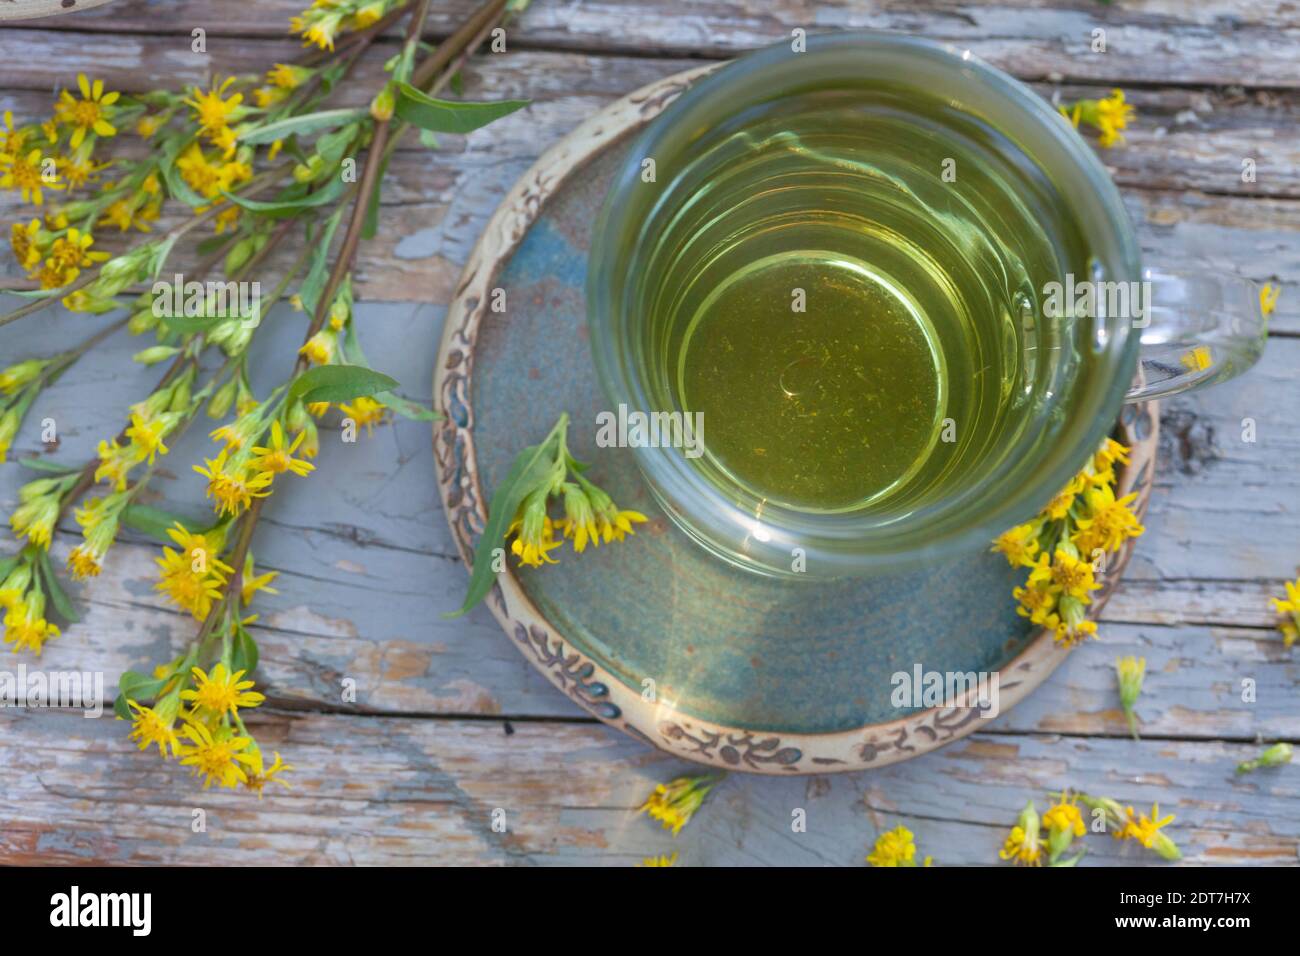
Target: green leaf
{"points": [[449, 116], [402, 406], [63, 605], [531, 468], [155, 522], [428, 139], [137, 687], [332, 146], [371, 225], [32, 293], [338, 383], [301, 125], [40, 464], [244, 655], [7, 565], [321, 197], [314, 282]]}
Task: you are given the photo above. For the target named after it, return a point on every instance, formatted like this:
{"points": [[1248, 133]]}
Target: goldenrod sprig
{"points": [[1275, 756], [1075, 532]]}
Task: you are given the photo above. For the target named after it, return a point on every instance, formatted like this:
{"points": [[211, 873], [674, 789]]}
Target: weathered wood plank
{"points": [[386, 790], [1220, 42], [368, 568]]}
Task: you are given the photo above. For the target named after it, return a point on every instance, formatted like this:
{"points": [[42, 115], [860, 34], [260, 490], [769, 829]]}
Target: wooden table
{"points": [[450, 723]]}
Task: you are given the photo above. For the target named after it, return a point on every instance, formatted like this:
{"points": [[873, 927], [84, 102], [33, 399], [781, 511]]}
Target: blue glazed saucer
{"points": [[654, 635]]}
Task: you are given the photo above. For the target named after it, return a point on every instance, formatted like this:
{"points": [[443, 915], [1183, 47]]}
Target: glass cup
{"points": [[783, 153]]}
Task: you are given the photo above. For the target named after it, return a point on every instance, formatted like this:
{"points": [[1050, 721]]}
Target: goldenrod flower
{"points": [[317, 25], [1146, 831], [250, 582], [1109, 116], [12, 139], [221, 692], [614, 522], [26, 242], [34, 518], [673, 804], [199, 174], [1109, 522], [289, 76], [115, 462], [257, 780], [895, 847], [661, 860], [78, 170], [1290, 607], [213, 111], [1072, 626], [73, 250], [192, 580], [216, 755], [276, 458], [1130, 671], [1038, 604], [147, 435], [25, 624], [1274, 756], [579, 520], [89, 114], [246, 428], [1063, 823], [1019, 545], [21, 374], [534, 532], [1103, 462], [55, 275], [364, 411], [13, 587], [319, 349], [98, 518], [231, 484], [1023, 845], [154, 726], [1059, 506], [26, 175], [1065, 574], [1268, 294]]}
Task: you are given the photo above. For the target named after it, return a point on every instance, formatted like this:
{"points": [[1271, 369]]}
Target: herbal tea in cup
{"points": [[842, 262]]}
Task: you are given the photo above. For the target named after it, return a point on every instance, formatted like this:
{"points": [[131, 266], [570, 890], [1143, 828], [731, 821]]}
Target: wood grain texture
{"points": [[401, 791], [411, 773]]}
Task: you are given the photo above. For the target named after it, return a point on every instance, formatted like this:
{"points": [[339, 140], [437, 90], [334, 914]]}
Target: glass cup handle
{"points": [[1199, 328]]}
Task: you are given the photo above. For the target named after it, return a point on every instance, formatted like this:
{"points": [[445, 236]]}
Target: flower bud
{"points": [[381, 107], [155, 354]]}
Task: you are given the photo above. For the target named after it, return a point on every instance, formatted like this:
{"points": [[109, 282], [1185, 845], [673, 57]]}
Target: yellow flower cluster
{"points": [[674, 803], [1035, 841], [54, 156], [590, 515], [243, 471], [896, 847], [1108, 116], [152, 420], [325, 20], [1288, 607], [23, 601], [208, 735], [1068, 540]]}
